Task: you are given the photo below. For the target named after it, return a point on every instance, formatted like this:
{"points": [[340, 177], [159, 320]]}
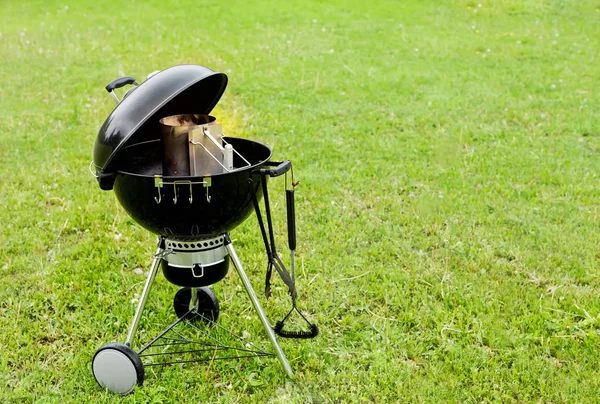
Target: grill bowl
{"points": [[230, 193]]}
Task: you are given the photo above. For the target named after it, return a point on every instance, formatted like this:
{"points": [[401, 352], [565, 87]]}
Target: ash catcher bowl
{"points": [[177, 175]]}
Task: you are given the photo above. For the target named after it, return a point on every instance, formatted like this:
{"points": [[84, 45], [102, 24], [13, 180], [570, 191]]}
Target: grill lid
{"points": [[183, 89]]}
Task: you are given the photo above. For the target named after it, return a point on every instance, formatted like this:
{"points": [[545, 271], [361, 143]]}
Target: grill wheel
{"points": [[208, 305]]}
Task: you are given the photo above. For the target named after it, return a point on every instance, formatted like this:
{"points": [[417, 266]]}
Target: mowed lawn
{"points": [[448, 155]]}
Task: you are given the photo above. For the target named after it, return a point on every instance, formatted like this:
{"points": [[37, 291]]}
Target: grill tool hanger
{"points": [[159, 183], [273, 258]]}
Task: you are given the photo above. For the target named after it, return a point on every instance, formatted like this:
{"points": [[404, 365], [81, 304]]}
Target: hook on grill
{"points": [[159, 183]]}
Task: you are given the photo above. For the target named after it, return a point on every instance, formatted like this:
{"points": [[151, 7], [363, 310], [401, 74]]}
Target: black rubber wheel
{"points": [[118, 368], [208, 305]]}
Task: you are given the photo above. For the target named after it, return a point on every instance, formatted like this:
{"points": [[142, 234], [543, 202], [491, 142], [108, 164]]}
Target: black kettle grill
{"points": [[191, 214]]}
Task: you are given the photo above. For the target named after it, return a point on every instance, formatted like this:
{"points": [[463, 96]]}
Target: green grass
{"points": [[448, 156]]}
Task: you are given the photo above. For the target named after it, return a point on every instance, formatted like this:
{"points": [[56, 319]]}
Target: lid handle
{"points": [[118, 83]]}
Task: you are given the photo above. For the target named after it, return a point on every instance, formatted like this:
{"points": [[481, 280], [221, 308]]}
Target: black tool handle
{"points": [[280, 169], [291, 218], [120, 82], [314, 331]]}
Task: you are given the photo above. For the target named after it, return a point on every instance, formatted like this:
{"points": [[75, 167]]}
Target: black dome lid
{"points": [[183, 89]]}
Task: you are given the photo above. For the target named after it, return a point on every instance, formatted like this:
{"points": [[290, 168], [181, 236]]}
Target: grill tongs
{"points": [[274, 260]]}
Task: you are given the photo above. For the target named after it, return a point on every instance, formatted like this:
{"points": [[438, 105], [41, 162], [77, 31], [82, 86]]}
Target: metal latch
{"points": [[201, 271]]}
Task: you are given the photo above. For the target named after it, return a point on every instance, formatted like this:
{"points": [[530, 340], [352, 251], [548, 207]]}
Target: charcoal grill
{"points": [[178, 176]]}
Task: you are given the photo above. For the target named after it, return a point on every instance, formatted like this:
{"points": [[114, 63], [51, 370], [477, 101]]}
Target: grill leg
{"points": [[259, 310], [146, 292], [194, 299]]}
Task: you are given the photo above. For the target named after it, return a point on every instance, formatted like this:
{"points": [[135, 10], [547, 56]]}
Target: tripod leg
{"points": [[146, 292], [261, 314]]}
